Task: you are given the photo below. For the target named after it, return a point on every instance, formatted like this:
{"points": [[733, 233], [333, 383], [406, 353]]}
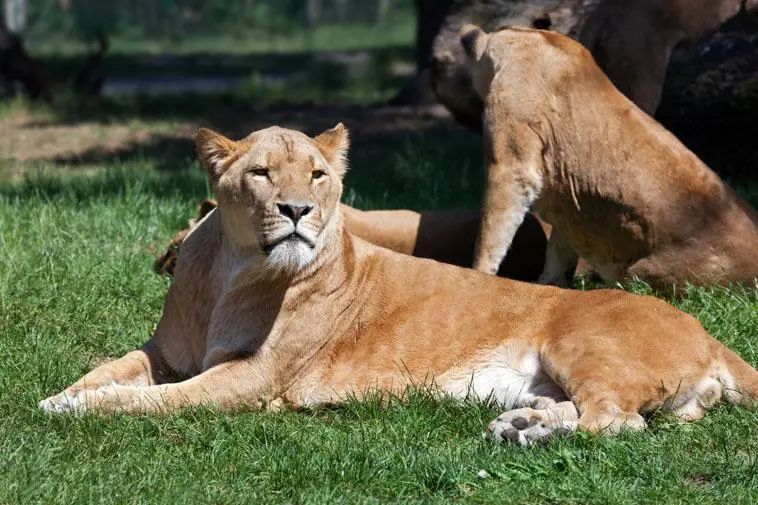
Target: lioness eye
{"points": [[260, 172], [318, 174]]}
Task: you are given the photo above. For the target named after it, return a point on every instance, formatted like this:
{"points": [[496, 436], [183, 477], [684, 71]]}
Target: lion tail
{"points": [[739, 379]]}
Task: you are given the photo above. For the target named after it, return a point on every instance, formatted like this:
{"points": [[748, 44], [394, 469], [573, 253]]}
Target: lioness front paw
{"points": [[104, 398], [526, 426], [62, 403]]}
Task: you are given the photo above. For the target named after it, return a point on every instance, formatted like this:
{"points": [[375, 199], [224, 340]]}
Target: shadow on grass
{"points": [[161, 152], [115, 183], [434, 167], [282, 88], [248, 80]]}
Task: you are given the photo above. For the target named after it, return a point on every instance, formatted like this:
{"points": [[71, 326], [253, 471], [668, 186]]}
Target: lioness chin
{"points": [[273, 304]]}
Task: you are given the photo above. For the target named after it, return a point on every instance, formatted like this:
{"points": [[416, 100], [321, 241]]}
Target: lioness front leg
{"points": [[514, 181], [560, 261], [226, 383], [142, 367], [225, 386]]}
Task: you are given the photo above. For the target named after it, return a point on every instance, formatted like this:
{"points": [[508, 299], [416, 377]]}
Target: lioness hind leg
{"points": [[560, 261], [608, 387], [606, 404], [528, 425], [607, 417]]}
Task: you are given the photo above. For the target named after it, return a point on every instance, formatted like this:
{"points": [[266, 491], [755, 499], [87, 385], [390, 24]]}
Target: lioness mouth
{"points": [[292, 237]]}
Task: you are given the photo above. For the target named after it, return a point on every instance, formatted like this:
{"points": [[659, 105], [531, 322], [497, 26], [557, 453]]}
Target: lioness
{"points": [[274, 304], [447, 236], [619, 190], [631, 40]]}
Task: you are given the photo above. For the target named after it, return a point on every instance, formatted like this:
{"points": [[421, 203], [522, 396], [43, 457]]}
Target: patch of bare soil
{"points": [[26, 139]]}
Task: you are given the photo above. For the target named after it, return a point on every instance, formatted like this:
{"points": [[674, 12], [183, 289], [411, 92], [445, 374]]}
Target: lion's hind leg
{"points": [[607, 387], [525, 426], [608, 417], [616, 376], [560, 261]]}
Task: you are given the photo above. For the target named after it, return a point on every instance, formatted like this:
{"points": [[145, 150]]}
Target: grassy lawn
{"points": [[357, 62], [76, 287], [91, 190], [396, 31]]}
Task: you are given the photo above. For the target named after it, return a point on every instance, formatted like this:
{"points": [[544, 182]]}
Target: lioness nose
{"points": [[294, 212]]}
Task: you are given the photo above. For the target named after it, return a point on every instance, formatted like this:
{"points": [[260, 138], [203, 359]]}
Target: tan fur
{"points": [[166, 262], [619, 190], [446, 236], [449, 237], [632, 40], [245, 324]]}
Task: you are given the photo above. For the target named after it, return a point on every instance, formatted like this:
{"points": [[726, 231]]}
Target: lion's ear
{"points": [[333, 145], [215, 152], [474, 41]]}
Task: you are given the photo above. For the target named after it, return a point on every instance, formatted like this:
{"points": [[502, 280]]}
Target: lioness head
{"points": [[278, 191]]}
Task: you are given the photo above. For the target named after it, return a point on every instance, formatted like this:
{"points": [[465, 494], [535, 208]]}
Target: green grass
{"points": [[356, 62], [76, 286], [398, 31], [78, 234]]}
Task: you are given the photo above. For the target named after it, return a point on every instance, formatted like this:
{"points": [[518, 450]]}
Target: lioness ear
{"points": [[215, 152], [474, 41], [334, 144]]}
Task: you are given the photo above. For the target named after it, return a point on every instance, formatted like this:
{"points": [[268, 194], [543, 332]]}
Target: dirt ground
{"points": [[31, 138]]}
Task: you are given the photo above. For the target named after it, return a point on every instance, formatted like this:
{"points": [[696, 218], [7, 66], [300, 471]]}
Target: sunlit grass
{"points": [[76, 286]]}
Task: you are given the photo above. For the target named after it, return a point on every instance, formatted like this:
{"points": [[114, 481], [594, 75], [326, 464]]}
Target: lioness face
{"points": [[278, 191]]}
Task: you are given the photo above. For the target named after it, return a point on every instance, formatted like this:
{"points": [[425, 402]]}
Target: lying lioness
{"points": [[274, 304], [446, 236], [619, 190]]}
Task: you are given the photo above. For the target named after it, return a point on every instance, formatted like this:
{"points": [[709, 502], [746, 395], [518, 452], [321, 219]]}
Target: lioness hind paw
{"points": [[526, 426]]}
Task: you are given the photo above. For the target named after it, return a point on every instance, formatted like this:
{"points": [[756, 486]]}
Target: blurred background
{"points": [[86, 85], [316, 50], [90, 85]]}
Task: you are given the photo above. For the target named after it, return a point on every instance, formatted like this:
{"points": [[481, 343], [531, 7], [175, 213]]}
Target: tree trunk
{"points": [[17, 66], [430, 15], [313, 12], [14, 14]]}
